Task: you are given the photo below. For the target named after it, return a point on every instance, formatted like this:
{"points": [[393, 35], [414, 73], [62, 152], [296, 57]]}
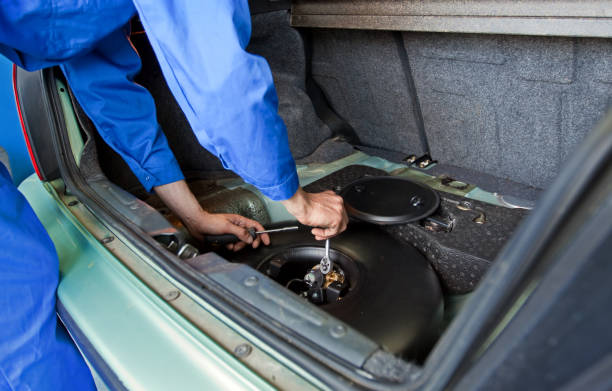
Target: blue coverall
{"points": [[226, 94]]}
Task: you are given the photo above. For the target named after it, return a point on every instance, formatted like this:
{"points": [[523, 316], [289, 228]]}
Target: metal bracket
{"points": [[424, 161]]}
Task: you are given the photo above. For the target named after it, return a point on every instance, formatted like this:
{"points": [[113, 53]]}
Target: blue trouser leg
{"points": [[35, 352]]}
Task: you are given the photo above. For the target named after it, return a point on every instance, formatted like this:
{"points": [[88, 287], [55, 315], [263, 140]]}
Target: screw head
{"points": [[73, 203], [108, 239], [338, 331], [416, 201], [172, 295], [251, 281], [243, 350], [359, 188]]}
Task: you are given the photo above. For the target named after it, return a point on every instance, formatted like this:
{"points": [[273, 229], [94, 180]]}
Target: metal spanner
{"points": [[229, 238], [326, 262]]}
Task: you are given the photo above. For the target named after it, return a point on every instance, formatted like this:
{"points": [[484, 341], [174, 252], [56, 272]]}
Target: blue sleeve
{"points": [[35, 351], [227, 94], [35, 34], [123, 112]]}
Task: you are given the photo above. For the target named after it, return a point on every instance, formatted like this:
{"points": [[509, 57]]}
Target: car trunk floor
{"points": [[449, 262], [473, 231]]}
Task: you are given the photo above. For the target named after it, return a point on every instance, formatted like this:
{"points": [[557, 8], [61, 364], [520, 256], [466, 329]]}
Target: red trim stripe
{"points": [[23, 128]]}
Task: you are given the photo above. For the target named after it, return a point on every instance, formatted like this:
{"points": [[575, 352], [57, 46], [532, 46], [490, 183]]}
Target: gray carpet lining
{"points": [[330, 150], [514, 107], [501, 112], [510, 107], [361, 74], [487, 182], [392, 156], [283, 48]]}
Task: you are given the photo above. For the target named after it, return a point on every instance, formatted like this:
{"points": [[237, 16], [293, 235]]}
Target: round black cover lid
{"points": [[389, 200]]}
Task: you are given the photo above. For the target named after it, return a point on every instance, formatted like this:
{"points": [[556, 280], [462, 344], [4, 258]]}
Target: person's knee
{"points": [[27, 259]]}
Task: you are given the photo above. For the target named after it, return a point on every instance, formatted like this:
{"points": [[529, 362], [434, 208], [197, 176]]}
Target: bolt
{"points": [[416, 201], [107, 239], [73, 203], [338, 331], [410, 159], [172, 295], [187, 251], [251, 281], [359, 188], [243, 350], [480, 219], [424, 163], [310, 278]]}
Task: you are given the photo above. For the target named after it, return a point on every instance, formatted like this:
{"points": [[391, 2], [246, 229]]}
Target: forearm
{"points": [[178, 197], [180, 200], [297, 204]]}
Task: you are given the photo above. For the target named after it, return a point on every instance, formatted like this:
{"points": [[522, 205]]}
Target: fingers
{"points": [[248, 223], [243, 224], [324, 210], [235, 246], [239, 246], [240, 232], [345, 221], [319, 237], [265, 238], [325, 233]]}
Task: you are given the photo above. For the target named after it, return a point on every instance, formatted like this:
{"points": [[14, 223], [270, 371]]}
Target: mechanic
{"points": [[229, 100]]}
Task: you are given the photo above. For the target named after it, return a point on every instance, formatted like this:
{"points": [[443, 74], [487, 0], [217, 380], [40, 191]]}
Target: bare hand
{"points": [[181, 201], [221, 223], [324, 211]]}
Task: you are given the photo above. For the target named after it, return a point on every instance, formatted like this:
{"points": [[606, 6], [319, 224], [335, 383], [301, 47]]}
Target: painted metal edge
{"points": [[541, 26]]}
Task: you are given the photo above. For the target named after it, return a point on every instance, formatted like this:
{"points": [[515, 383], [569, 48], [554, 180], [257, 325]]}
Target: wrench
{"points": [[229, 238], [326, 262]]}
